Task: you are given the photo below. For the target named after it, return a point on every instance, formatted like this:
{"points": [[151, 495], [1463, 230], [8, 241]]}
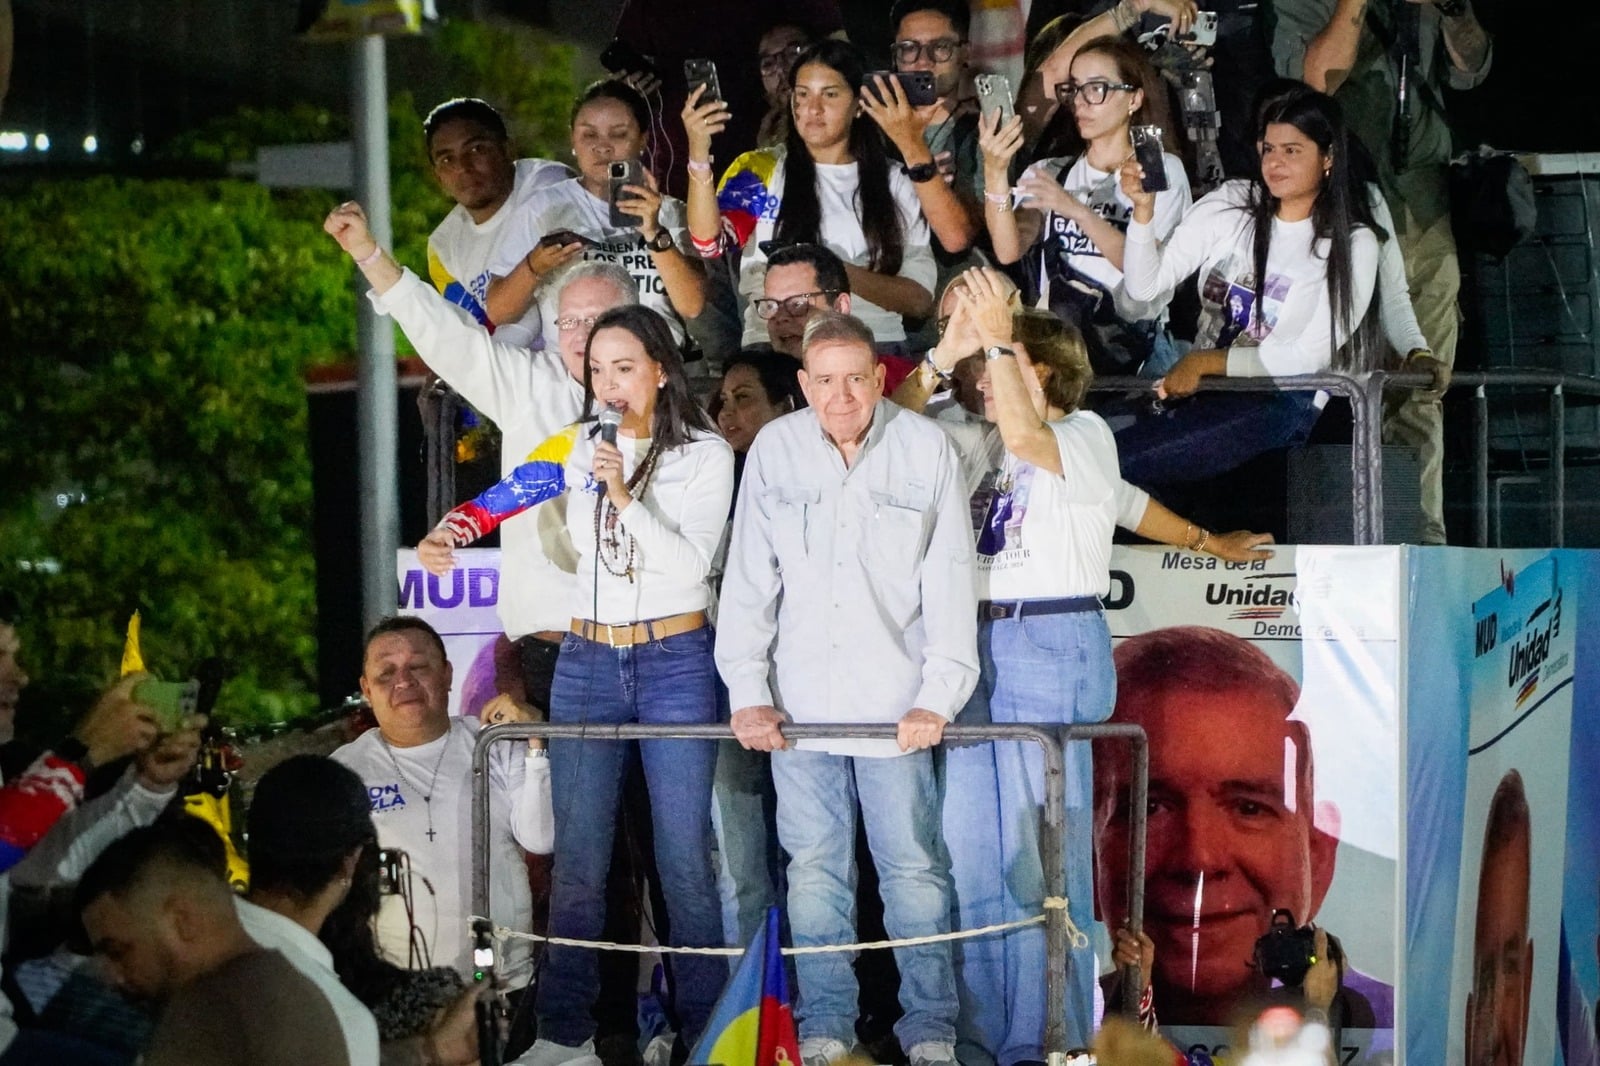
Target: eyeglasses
{"points": [[793, 306], [780, 60], [568, 323], [1093, 92], [937, 51]]}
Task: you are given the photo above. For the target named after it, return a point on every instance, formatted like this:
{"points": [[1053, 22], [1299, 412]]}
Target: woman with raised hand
{"points": [[1287, 262], [1069, 215], [1046, 496], [639, 651], [830, 183]]}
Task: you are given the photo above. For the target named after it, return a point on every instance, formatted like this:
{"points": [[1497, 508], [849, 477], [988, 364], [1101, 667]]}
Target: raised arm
{"points": [[1009, 234], [543, 477], [954, 223], [1014, 386], [701, 122]]}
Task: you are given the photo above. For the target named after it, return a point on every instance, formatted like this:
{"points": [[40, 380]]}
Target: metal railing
{"points": [[1050, 739], [1365, 392]]}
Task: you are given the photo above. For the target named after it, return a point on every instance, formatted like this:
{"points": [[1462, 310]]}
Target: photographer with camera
{"points": [[613, 211]]}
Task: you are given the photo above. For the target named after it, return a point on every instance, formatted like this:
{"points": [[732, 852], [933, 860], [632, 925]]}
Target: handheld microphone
{"points": [[610, 419]]}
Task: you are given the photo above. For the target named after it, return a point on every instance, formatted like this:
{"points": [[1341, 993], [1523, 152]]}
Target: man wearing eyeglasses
{"points": [[801, 279], [938, 143]]}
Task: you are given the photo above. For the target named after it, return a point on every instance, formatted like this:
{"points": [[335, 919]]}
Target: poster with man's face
{"points": [[1269, 695], [1502, 1002]]}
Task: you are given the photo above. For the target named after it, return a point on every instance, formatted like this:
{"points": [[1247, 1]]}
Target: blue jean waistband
{"points": [[994, 611]]}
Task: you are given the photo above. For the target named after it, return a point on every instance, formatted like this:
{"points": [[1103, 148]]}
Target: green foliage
{"points": [[154, 336]]}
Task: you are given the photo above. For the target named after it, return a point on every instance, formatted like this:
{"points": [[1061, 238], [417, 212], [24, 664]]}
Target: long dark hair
{"points": [[348, 935], [677, 413], [800, 214], [1341, 206]]}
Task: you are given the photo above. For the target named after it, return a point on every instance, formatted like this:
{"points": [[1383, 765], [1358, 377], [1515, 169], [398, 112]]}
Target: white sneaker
{"points": [[550, 1053], [932, 1053], [821, 1050]]}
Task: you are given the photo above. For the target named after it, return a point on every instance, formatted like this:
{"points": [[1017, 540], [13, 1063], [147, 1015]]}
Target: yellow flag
{"points": [[132, 658]]}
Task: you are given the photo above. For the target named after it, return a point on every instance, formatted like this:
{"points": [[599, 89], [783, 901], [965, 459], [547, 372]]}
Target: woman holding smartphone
{"points": [[1287, 262], [1068, 217], [573, 219], [646, 516], [831, 183]]}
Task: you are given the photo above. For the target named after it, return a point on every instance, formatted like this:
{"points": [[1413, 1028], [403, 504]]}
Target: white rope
{"points": [[1075, 938]]}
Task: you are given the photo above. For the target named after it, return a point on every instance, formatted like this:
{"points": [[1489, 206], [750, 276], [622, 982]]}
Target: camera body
{"points": [[1286, 951]]}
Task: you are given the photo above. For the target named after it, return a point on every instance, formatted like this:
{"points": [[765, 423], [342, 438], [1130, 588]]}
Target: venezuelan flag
{"points": [[753, 1022]]}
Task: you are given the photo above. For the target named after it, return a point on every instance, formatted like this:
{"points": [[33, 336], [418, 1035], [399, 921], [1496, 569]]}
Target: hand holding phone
{"points": [[624, 172], [994, 90], [916, 84], [1147, 150], [698, 72]]}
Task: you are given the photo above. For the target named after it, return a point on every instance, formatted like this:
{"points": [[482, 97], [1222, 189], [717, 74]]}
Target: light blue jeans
{"points": [[817, 797], [1054, 669]]}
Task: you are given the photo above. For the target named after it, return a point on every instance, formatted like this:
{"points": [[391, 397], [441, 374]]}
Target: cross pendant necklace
{"points": [[427, 797]]}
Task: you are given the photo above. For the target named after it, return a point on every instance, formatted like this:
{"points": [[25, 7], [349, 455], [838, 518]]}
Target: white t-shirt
{"points": [[311, 957], [520, 815], [676, 526], [1102, 191], [753, 189], [459, 248], [1042, 535], [529, 395], [568, 205], [1217, 239]]}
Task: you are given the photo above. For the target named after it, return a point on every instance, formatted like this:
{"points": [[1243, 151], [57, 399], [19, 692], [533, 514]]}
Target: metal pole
{"points": [[1480, 464], [1558, 467], [376, 406]]}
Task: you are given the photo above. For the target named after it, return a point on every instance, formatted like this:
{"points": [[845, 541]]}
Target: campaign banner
{"points": [[1270, 694], [461, 606], [1502, 700]]}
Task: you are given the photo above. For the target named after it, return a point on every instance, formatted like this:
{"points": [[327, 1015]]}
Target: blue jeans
{"points": [[817, 796], [1054, 669], [1210, 434], [663, 682]]}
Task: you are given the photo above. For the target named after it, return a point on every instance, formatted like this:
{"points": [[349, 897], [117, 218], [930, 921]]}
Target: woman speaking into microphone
{"points": [[660, 481]]}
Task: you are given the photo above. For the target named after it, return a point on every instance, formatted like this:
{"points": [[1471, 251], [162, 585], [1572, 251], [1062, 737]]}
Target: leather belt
{"points": [[639, 632], [992, 611]]}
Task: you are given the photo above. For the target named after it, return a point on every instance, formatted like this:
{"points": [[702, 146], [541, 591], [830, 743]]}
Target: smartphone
{"points": [[172, 701], [697, 72], [1203, 31], [916, 84], [994, 90], [1147, 149], [565, 237], [624, 172], [391, 872], [620, 57]]}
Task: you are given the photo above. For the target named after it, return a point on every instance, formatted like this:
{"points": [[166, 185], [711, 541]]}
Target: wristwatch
{"points": [[996, 352], [922, 172], [661, 242]]}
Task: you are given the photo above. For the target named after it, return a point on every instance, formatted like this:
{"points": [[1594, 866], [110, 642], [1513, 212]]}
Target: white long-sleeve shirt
{"points": [[1297, 335], [1396, 316], [520, 817], [530, 396], [849, 592]]}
